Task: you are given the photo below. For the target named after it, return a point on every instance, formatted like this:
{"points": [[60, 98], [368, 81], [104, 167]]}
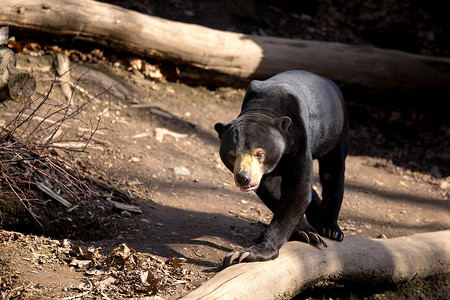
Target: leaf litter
{"points": [[121, 273]]}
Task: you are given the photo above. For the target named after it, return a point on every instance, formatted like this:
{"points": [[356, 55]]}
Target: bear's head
{"points": [[251, 146]]}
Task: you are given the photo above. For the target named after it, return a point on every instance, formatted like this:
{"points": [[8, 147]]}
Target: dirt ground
{"points": [[157, 150]]}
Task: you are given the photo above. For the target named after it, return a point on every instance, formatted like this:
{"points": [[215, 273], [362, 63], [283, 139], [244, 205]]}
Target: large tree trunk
{"points": [[229, 58], [356, 260]]}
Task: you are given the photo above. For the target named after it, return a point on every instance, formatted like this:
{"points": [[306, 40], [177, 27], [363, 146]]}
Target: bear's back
{"points": [[307, 98]]}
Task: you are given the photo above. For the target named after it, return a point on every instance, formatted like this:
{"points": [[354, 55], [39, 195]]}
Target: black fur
{"points": [[296, 117]]}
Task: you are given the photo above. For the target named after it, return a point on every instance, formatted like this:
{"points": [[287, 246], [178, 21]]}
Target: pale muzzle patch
{"points": [[251, 164]]}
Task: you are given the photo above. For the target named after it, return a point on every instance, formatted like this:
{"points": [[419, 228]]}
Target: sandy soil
{"points": [[158, 145], [156, 149]]}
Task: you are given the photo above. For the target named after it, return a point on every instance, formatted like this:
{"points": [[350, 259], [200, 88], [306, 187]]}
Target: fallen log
{"points": [[357, 260], [228, 58]]}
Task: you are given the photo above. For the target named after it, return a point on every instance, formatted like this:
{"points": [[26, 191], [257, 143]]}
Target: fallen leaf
{"points": [[176, 261]]}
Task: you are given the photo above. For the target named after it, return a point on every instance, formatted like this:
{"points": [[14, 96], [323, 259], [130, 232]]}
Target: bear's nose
{"points": [[243, 178]]}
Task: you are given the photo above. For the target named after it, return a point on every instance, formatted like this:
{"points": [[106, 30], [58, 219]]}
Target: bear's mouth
{"points": [[248, 188]]}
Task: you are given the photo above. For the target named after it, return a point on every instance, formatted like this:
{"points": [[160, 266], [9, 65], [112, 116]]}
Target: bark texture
{"points": [[209, 56], [357, 260]]}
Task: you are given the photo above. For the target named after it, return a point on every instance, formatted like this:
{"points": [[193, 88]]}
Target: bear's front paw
{"points": [[331, 231], [254, 253]]}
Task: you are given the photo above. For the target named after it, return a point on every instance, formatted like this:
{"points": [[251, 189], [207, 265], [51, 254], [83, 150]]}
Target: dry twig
{"points": [[28, 167]]}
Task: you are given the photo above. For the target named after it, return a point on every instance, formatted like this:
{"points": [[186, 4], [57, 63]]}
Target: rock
{"points": [[182, 171]]}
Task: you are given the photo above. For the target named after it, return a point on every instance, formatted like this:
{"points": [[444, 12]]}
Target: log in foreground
{"points": [[357, 260], [230, 58]]}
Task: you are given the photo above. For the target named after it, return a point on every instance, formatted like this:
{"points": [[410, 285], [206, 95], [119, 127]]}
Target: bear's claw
{"points": [[336, 235], [311, 238], [233, 255]]}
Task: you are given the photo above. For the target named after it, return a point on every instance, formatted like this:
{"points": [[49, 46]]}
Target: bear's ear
{"points": [[219, 128], [283, 123]]}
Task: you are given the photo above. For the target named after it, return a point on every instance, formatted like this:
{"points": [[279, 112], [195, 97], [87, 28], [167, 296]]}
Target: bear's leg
{"points": [[313, 210], [305, 230], [331, 171], [269, 192], [295, 196]]}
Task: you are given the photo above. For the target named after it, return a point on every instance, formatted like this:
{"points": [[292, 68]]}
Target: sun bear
{"points": [[285, 123]]}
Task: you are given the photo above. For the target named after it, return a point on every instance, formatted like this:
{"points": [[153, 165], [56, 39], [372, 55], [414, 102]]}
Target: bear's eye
{"points": [[231, 157], [259, 154]]}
